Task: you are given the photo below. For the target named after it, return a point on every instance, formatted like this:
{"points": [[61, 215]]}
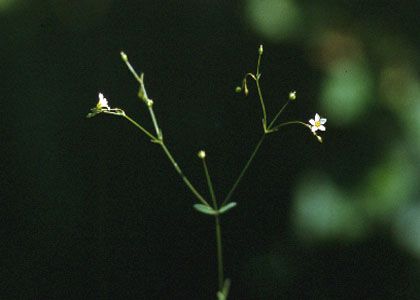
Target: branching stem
{"points": [[142, 94]]}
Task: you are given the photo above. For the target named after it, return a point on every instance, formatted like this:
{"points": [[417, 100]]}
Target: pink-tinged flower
{"points": [[317, 123]]}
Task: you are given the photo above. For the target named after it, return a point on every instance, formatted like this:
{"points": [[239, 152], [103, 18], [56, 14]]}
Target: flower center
{"points": [[317, 123]]}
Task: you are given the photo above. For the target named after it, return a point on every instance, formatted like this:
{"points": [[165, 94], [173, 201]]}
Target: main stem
{"points": [[219, 252], [220, 268]]}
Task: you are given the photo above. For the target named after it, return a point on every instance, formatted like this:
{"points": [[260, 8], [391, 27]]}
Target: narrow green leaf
{"points": [[227, 207], [205, 209]]}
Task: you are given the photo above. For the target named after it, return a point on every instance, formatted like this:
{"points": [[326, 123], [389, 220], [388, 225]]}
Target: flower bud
{"points": [[201, 154], [319, 138], [260, 50], [292, 95], [124, 56], [238, 89], [149, 103]]}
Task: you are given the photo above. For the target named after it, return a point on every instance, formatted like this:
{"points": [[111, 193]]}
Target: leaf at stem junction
{"points": [[227, 207], [205, 209]]}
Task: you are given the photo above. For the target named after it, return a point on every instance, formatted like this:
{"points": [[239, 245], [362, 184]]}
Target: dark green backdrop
{"points": [[92, 210]]}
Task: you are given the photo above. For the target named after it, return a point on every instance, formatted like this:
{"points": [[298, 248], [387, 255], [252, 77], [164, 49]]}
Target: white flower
{"points": [[102, 103], [317, 123]]}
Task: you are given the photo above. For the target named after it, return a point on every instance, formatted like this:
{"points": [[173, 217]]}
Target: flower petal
{"points": [[322, 128], [323, 120], [312, 122], [317, 117], [314, 128], [102, 103]]}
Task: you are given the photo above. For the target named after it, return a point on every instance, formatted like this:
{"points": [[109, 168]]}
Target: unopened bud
{"points": [[292, 95], [260, 50], [201, 154], [124, 56], [149, 103], [246, 91], [319, 138], [238, 89]]}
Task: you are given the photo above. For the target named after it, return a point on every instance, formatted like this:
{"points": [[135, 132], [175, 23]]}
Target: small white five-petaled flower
{"points": [[102, 103], [317, 123]]}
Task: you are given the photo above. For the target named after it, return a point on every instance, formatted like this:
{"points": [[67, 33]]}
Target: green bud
{"points": [[246, 91], [201, 154], [261, 50], [238, 89], [124, 56], [292, 95], [319, 138]]}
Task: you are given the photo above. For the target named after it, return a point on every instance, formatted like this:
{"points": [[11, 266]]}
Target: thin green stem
{"points": [[290, 123], [130, 67], [210, 184], [143, 94], [259, 63], [260, 96], [184, 178], [248, 163], [145, 131], [250, 75], [277, 115], [219, 247], [155, 123], [171, 159], [149, 103], [220, 272]]}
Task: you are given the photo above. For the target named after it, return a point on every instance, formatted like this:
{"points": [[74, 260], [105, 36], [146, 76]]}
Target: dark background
{"points": [[92, 209]]}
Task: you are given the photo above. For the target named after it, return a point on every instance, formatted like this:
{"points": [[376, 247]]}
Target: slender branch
{"points": [[260, 96], [290, 123], [259, 60], [149, 103], [184, 178], [248, 163], [145, 131], [142, 94], [155, 123], [277, 115], [130, 67], [210, 184], [256, 77]]}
